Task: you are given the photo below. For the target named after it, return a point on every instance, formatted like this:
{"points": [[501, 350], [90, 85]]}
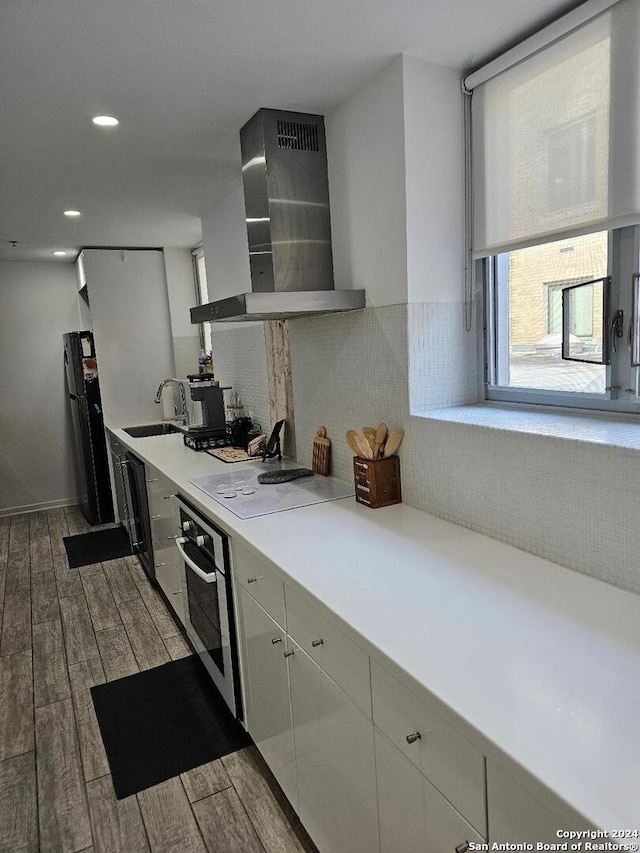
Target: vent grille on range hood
{"points": [[286, 191]]}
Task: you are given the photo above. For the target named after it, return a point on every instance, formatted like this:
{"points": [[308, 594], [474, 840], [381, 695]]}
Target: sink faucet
{"points": [[183, 414]]}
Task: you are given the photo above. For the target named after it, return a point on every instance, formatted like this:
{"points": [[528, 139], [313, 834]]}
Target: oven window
{"points": [[204, 615]]}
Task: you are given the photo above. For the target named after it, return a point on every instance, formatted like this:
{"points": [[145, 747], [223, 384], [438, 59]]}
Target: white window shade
{"points": [[556, 138]]}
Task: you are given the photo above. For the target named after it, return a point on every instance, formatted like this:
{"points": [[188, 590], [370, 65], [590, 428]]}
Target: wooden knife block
{"points": [[377, 481]]}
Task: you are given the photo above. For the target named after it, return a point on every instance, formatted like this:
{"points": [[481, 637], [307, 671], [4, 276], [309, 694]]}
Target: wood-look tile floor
{"points": [[61, 631]]}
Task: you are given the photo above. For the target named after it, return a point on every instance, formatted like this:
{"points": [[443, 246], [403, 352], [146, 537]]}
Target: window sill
{"points": [[611, 430]]}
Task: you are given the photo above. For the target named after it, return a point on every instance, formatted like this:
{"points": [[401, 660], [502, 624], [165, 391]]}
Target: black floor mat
{"points": [[97, 547], [162, 722]]}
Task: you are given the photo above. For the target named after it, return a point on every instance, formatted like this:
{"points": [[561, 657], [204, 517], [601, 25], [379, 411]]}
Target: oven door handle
{"points": [[206, 577]]}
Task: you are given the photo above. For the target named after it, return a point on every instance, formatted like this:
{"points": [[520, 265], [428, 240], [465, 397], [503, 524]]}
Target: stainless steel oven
{"points": [[210, 622]]}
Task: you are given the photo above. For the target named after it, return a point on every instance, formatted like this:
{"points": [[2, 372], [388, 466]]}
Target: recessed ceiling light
{"points": [[72, 213], [59, 254], [105, 121]]}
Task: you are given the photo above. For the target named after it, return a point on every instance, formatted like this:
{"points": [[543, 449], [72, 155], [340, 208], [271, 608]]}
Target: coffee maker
{"points": [[209, 411]]}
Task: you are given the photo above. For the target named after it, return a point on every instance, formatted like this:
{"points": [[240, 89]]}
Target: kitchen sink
{"points": [[150, 429]]}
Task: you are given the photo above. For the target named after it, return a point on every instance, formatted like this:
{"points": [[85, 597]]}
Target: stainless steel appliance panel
{"points": [[142, 543], [204, 552], [287, 151], [90, 447]]}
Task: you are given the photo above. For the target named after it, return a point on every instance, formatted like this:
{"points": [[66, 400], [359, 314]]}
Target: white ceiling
{"points": [[183, 76]]}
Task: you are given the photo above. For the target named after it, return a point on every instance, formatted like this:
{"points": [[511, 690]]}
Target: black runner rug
{"points": [[97, 547], [162, 722]]}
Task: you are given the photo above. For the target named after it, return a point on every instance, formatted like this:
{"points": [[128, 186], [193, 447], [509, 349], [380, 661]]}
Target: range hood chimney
{"points": [[286, 193]]}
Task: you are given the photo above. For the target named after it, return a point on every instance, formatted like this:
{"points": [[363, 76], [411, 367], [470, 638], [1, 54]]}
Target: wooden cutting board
{"points": [[321, 453]]}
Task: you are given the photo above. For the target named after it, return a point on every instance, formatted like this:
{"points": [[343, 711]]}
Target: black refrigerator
{"points": [[90, 446]]}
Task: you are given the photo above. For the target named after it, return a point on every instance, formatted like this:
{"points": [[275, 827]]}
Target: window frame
{"points": [[621, 375], [204, 329]]}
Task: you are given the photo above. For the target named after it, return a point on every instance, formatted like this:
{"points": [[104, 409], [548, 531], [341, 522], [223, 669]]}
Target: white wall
{"points": [[38, 303], [568, 501], [434, 181], [132, 330], [365, 151], [224, 238], [181, 293]]}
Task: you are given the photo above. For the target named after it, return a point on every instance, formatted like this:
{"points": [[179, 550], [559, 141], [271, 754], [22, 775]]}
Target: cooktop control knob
{"points": [[187, 525], [182, 540], [201, 541]]}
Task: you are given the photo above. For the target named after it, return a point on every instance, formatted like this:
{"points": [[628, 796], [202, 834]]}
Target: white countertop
{"points": [[542, 662]]}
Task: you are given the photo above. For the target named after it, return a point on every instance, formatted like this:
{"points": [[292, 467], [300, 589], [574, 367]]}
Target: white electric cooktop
{"points": [[240, 492]]}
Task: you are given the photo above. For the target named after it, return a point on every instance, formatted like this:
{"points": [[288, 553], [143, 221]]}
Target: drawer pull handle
{"points": [[289, 653], [462, 848], [155, 517], [168, 497], [276, 640], [160, 564], [413, 737], [254, 579], [316, 643], [153, 480], [176, 592]]}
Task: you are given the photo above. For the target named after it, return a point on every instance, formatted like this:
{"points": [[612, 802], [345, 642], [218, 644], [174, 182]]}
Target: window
{"points": [[582, 322], [562, 325], [202, 295], [554, 151]]}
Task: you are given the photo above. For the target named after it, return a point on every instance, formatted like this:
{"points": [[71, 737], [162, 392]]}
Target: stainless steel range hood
{"points": [[286, 192]]}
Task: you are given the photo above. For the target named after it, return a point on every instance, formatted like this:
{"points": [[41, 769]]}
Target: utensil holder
{"points": [[377, 481]]}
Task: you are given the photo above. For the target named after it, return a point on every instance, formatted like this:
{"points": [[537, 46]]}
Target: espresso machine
{"points": [[209, 427]]}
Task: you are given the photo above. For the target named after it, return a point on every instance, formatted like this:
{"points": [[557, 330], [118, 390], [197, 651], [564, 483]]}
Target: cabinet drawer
{"points": [[335, 761], [414, 816], [447, 759], [261, 581], [169, 576], [159, 493], [333, 650], [266, 691], [164, 528]]}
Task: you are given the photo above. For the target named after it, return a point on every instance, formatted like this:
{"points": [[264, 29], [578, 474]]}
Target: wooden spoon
{"points": [[393, 442], [381, 434], [358, 445], [370, 435]]}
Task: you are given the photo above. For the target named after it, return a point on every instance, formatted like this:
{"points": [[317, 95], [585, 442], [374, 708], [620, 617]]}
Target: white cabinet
{"points": [[163, 516], [316, 740], [334, 761], [439, 751], [170, 579], [335, 652], [414, 816], [266, 691], [368, 762], [516, 816], [260, 580]]}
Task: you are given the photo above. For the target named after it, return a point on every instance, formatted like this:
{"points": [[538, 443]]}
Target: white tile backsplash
{"points": [[442, 356], [560, 486], [349, 371], [570, 499], [239, 360]]}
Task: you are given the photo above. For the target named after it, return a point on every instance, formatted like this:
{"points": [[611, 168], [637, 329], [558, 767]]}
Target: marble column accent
{"points": [[276, 335]]}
